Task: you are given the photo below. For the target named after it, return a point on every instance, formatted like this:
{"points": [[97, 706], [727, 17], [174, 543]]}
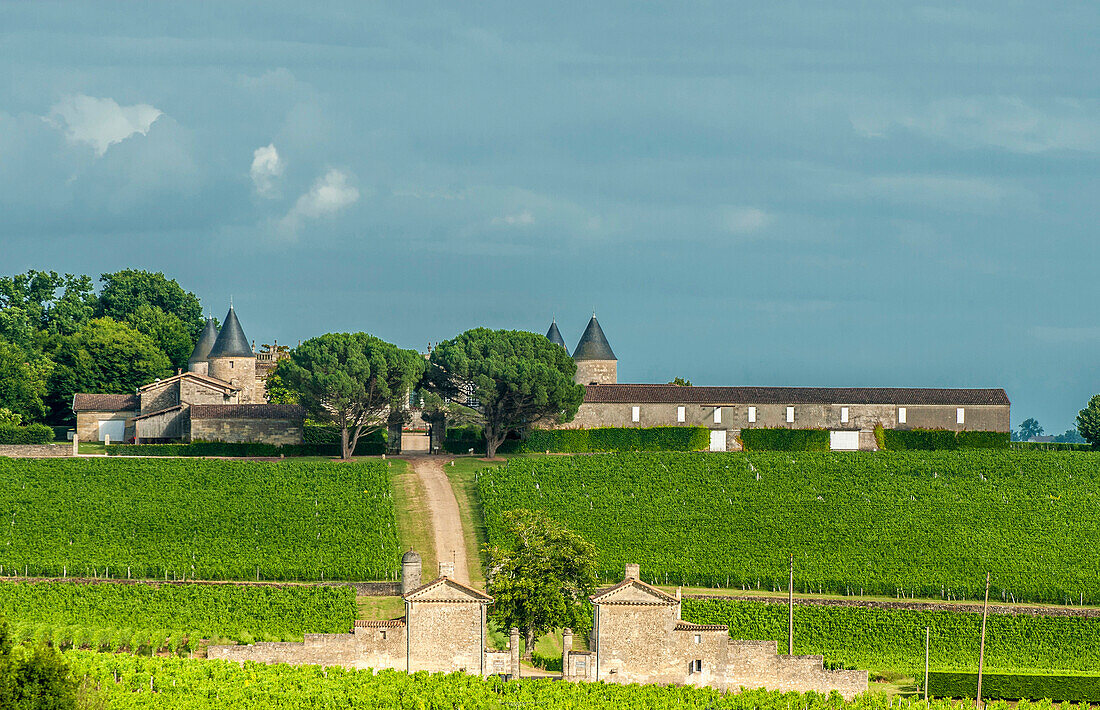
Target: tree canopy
{"points": [[542, 579], [1030, 427], [126, 291], [511, 379], [1088, 421], [354, 380], [22, 387], [34, 679]]}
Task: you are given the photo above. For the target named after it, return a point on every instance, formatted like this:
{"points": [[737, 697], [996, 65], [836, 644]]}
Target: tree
{"points": [[681, 382], [1030, 427], [1088, 421], [512, 379], [542, 579], [34, 680], [103, 356], [171, 335], [1071, 436], [124, 292], [22, 385], [39, 304], [351, 379]]}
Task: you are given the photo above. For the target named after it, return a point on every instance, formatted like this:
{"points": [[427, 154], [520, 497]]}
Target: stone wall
{"points": [[756, 664], [268, 431], [367, 647], [160, 396], [240, 372], [193, 392], [87, 423], [35, 451], [604, 372], [446, 637]]}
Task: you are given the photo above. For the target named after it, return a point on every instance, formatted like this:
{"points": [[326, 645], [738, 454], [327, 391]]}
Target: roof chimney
{"points": [[633, 571], [446, 569]]}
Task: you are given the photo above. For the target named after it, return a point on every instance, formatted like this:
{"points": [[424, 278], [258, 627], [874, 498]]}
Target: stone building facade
{"points": [[219, 398], [850, 414]]}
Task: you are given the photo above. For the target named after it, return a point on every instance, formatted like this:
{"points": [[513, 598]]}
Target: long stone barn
{"points": [[638, 637]]}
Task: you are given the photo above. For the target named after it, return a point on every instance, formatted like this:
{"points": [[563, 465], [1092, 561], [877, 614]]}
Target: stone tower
{"points": [[596, 363], [554, 335], [198, 362], [410, 572], [232, 360]]}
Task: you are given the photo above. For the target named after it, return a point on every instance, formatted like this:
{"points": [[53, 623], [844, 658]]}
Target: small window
{"points": [[681, 414], [790, 415], [843, 415], [230, 364], [717, 415], [635, 414], [752, 415], [698, 638], [960, 416], [697, 665], [901, 415], [580, 664]]}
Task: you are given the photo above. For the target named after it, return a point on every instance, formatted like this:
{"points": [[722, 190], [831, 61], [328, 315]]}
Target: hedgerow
{"points": [[30, 434], [373, 444], [998, 686], [929, 524], [197, 519], [582, 441], [943, 440], [785, 439]]}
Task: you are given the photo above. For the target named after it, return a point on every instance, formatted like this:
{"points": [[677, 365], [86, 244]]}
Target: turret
{"points": [[554, 335], [410, 572], [596, 362], [232, 360], [198, 362]]}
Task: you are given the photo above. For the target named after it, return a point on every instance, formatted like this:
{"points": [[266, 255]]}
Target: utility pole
{"points": [[926, 664], [981, 647], [790, 612]]}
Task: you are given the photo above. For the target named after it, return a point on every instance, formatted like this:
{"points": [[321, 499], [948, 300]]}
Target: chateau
{"points": [[850, 414], [221, 397]]}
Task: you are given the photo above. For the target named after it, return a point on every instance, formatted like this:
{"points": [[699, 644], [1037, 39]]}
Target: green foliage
{"points": [[680, 381], [1088, 421], [9, 417], [22, 388], [34, 678], [782, 439], [38, 304], [373, 444], [1030, 427], [928, 524], [352, 380], [31, 434], [131, 291], [172, 335], [1002, 686], [516, 379], [184, 613], [540, 575], [893, 639], [944, 440], [1049, 446], [617, 439], [197, 519]]}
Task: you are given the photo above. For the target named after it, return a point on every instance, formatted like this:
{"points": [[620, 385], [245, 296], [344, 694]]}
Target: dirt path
{"points": [[450, 542]]}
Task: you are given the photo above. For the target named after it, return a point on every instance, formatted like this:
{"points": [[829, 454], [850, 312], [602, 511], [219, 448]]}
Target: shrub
{"points": [[31, 434], [943, 440], [1048, 446], [1003, 686], [785, 439], [371, 445], [616, 439]]}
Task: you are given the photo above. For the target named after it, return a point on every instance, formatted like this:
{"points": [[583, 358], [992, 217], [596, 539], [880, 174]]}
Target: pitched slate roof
{"points": [[89, 402], [674, 394], [554, 335], [593, 344], [231, 341], [206, 342], [658, 597], [471, 594], [247, 411]]}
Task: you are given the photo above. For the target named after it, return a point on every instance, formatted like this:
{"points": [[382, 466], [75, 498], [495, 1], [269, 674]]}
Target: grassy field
{"points": [[197, 519], [924, 524]]}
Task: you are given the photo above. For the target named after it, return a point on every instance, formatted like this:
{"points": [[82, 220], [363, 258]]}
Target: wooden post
{"points": [[926, 664], [790, 612], [981, 647]]}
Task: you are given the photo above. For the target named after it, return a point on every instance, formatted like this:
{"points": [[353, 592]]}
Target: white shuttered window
{"points": [[790, 415], [752, 415], [681, 414], [635, 414], [717, 415]]}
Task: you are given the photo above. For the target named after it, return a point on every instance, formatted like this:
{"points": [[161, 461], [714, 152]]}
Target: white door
{"points": [[844, 440], [116, 428], [717, 439]]}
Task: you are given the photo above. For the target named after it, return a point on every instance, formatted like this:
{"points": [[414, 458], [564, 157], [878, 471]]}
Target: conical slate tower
{"points": [[232, 360], [198, 361], [554, 335], [231, 340], [596, 362]]}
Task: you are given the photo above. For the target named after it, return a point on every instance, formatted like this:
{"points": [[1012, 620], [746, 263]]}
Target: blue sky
{"points": [[842, 193]]}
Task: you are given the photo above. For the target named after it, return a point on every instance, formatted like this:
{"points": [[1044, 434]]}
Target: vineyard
{"points": [[123, 682], [925, 524], [893, 639], [196, 519], [171, 616]]}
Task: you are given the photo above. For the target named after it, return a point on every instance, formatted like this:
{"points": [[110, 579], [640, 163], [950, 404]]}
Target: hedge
{"points": [[1004, 686], [943, 440], [30, 434], [1049, 446], [581, 441], [785, 439], [370, 445]]}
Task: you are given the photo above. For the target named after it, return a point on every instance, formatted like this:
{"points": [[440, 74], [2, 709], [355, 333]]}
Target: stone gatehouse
{"points": [[638, 637]]}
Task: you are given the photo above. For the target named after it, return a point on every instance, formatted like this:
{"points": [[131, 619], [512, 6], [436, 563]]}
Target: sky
{"points": [[824, 194]]}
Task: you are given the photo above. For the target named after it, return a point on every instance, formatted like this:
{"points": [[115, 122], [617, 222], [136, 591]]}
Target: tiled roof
{"points": [[202, 379], [247, 411], [388, 624], [660, 596], [475, 595], [685, 626], [159, 411], [87, 402], [674, 394]]}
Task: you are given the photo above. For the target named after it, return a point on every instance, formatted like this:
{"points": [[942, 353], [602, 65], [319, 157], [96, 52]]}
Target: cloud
{"points": [[1006, 122], [743, 220], [267, 166], [101, 123], [330, 193], [521, 219]]}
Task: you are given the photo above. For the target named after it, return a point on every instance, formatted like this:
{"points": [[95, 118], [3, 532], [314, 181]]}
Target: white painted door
{"points": [[116, 428], [844, 440], [717, 439]]}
